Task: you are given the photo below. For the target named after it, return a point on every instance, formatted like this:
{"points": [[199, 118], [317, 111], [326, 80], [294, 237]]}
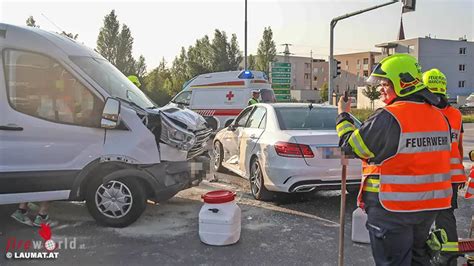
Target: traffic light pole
{"points": [[331, 43]]}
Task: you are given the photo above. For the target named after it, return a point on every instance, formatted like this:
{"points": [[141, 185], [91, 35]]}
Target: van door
{"points": [[49, 128]]}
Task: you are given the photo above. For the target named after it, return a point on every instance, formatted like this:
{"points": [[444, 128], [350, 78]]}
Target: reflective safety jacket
{"points": [[252, 101], [405, 149], [455, 120]]}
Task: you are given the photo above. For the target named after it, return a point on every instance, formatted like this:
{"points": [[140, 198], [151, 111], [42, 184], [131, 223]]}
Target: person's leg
{"points": [[446, 219], [420, 235], [391, 240], [42, 217], [21, 214]]}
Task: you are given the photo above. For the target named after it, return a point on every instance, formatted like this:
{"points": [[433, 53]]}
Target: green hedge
{"points": [[362, 114], [468, 118]]}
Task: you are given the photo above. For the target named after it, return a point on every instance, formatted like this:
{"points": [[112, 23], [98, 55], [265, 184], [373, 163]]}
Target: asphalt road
{"points": [[293, 231]]}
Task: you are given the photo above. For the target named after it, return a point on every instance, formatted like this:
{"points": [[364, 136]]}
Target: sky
{"points": [[161, 27]]}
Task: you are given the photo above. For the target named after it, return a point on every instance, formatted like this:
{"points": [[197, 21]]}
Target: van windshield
{"points": [[112, 80], [267, 96]]}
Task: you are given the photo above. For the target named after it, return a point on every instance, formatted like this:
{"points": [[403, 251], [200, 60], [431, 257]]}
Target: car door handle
{"points": [[11, 127]]}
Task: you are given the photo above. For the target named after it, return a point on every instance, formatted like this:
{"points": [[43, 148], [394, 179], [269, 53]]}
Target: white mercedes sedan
{"points": [[284, 147]]}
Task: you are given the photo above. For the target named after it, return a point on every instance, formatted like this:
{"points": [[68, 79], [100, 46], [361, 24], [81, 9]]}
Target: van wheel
{"points": [[117, 203], [218, 157], [257, 186]]}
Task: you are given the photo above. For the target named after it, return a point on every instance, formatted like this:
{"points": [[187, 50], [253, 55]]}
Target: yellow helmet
{"points": [[134, 80], [403, 71], [435, 80]]}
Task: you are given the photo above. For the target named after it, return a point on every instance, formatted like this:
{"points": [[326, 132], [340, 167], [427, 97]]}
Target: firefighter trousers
{"points": [[399, 238], [446, 219]]}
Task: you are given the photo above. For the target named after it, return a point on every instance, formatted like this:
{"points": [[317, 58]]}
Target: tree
{"points": [[124, 59], [251, 64], [115, 44], [31, 22], [220, 58], [108, 40], [234, 53], [157, 84], [200, 58], [179, 73], [372, 93], [266, 51], [324, 92], [140, 68]]}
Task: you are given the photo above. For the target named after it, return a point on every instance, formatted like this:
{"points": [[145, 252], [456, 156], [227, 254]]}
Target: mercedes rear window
{"points": [[305, 118]]}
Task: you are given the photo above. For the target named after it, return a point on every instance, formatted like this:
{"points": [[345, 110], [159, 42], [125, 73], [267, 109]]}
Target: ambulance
{"points": [[219, 97]]}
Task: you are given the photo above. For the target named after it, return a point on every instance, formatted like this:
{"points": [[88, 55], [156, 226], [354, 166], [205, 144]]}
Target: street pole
{"points": [[245, 60], [331, 43]]}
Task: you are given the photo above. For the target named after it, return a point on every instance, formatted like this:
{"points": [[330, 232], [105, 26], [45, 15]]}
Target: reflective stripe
{"points": [[412, 196], [450, 247], [344, 127], [371, 185], [415, 179], [424, 142], [455, 161], [359, 146], [457, 172]]}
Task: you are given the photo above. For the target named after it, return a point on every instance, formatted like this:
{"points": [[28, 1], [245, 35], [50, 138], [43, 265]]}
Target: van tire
{"points": [[130, 188]]}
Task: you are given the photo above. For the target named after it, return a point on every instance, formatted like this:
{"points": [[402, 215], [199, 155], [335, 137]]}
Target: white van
{"points": [[219, 97], [72, 127]]}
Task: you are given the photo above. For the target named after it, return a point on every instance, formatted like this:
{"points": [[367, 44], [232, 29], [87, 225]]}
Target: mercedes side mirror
{"points": [[110, 114], [471, 155]]}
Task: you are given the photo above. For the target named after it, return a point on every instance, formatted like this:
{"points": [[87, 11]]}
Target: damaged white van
{"points": [[72, 127]]}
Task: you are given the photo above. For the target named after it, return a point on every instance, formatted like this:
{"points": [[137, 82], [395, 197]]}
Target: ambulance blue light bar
{"points": [[246, 74]]}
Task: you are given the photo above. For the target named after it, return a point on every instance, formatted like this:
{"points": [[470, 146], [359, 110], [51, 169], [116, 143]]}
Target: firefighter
{"points": [[254, 99], [134, 80], [405, 153], [435, 80]]}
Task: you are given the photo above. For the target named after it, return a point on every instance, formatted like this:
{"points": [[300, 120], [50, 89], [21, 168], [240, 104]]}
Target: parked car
{"points": [[284, 147], [73, 127]]}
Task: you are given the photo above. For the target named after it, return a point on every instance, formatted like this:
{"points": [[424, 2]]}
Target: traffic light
{"points": [[337, 68]]}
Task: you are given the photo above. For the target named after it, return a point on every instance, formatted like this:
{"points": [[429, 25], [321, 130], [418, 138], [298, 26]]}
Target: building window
{"points": [[366, 73], [306, 76], [411, 49], [462, 50], [366, 61], [462, 67], [461, 83], [358, 64], [307, 65], [315, 78]]}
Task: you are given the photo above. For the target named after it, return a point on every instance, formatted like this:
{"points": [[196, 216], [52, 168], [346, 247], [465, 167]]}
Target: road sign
{"points": [[281, 81], [281, 75], [281, 69], [281, 91], [279, 64], [285, 97], [281, 86]]}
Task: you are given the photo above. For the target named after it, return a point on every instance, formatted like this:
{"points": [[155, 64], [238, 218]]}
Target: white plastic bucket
{"points": [[219, 218]]}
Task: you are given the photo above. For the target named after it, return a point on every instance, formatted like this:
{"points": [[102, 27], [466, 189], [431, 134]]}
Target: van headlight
{"points": [[176, 136]]}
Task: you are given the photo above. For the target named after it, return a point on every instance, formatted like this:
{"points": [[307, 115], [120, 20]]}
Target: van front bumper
{"points": [[168, 178]]}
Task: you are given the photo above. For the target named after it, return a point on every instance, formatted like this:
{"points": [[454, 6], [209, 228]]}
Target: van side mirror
{"points": [[471, 156], [110, 115]]}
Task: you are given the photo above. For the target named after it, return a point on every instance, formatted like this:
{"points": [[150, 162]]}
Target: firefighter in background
{"points": [[435, 80], [134, 80], [254, 99], [405, 151], [470, 183]]}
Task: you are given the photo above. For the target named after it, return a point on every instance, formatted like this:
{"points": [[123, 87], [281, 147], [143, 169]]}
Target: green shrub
{"points": [[468, 118], [362, 114]]}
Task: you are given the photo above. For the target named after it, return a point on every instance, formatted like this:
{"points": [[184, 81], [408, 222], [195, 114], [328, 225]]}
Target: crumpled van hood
{"points": [[191, 119]]}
